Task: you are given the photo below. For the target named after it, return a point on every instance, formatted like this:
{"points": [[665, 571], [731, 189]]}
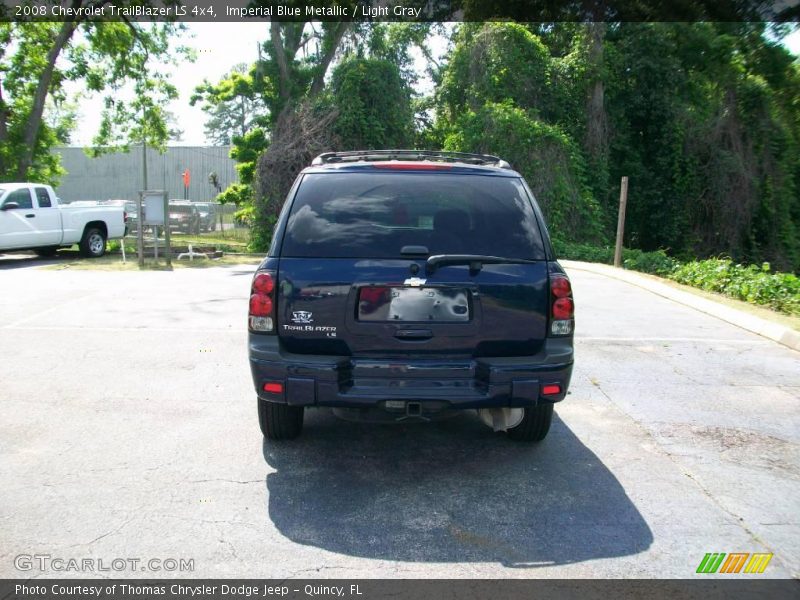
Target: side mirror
{"points": [[10, 205]]}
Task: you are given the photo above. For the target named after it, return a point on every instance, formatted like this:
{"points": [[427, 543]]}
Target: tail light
{"points": [[261, 316], [562, 307], [125, 216]]}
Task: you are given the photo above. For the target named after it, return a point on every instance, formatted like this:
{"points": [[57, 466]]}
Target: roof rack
{"points": [[431, 155]]}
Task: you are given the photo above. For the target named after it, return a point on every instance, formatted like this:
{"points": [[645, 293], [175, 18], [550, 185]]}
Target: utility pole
{"points": [[144, 149], [140, 232], [623, 201]]}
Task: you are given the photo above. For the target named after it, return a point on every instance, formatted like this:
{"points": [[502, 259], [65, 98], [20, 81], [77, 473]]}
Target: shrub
{"points": [[657, 263], [750, 283]]}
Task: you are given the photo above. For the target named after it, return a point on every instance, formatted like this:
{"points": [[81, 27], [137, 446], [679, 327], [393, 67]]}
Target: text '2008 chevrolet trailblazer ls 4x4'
{"points": [[409, 285]]}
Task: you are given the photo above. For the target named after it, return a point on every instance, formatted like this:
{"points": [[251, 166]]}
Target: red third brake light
{"points": [[412, 166]]}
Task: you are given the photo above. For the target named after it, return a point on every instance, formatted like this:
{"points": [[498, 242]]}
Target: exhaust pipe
{"points": [[501, 419]]}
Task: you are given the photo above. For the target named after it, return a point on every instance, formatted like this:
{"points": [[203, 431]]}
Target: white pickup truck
{"points": [[31, 218]]}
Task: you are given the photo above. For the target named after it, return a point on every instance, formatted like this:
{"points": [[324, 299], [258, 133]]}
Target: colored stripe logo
{"points": [[736, 562]]}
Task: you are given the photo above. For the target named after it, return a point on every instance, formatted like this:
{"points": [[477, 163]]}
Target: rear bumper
{"points": [[345, 382]]}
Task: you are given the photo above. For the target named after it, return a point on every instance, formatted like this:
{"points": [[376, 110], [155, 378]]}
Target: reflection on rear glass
{"points": [[354, 215]]}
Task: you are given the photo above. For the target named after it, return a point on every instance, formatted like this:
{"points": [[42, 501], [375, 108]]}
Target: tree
{"points": [[502, 92], [291, 83], [705, 121], [702, 117], [37, 58], [234, 106], [373, 103]]}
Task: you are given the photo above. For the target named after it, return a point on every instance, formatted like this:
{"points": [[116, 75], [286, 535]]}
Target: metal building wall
{"points": [[119, 176]]}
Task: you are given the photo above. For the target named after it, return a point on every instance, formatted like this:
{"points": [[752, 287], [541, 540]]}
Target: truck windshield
{"points": [[375, 215]]}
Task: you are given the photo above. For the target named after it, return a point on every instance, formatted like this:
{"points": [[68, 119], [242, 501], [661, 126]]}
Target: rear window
{"points": [[373, 215], [43, 198]]}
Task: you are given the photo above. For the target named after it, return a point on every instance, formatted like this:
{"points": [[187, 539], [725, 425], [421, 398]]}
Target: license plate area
{"points": [[387, 304]]}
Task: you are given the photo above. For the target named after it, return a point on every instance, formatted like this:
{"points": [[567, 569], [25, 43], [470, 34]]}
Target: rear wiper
{"points": [[475, 261]]}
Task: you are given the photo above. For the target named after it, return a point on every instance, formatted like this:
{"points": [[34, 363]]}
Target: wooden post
{"points": [[623, 201]]}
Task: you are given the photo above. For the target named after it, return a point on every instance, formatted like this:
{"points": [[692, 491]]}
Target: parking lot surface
{"points": [[128, 430]]}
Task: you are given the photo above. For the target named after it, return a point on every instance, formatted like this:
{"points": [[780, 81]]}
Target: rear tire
{"points": [[93, 244], [535, 424], [47, 251], [279, 421]]}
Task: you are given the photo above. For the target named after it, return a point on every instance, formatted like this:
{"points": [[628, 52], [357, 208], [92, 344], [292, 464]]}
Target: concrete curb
{"points": [[773, 331]]}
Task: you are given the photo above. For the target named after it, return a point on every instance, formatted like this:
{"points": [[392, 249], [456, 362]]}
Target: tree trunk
{"points": [[319, 79], [34, 122], [3, 128], [280, 57], [596, 118]]}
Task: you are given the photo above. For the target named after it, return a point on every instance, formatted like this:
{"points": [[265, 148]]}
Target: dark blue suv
{"points": [[410, 285]]}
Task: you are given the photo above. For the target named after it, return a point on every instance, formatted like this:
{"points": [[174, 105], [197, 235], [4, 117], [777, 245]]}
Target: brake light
{"points": [[551, 390], [264, 283], [562, 307], [560, 287], [412, 166], [262, 303], [273, 387], [124, 216]]}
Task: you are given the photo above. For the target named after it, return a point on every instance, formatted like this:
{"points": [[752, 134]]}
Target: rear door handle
{"points": [[29, 216], [413, 334]]}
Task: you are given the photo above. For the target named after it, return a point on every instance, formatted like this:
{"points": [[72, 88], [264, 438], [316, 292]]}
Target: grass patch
{"points": [[231, 237], [212, 238]]}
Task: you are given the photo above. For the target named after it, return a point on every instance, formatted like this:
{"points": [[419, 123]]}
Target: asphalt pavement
{"points": [[128, 431]]}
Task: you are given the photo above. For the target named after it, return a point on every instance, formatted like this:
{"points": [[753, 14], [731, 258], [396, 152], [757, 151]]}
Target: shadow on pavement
{"points": [[452, 491], [24, 259]]}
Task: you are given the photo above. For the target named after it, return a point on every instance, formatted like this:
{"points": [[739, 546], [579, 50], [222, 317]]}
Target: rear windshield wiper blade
{"points": [[475, 261]]}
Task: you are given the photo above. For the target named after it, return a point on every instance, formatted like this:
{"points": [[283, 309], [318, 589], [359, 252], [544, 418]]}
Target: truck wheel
{"points": [[279, 421], [93, 244], [46, 251], [535, 424]]}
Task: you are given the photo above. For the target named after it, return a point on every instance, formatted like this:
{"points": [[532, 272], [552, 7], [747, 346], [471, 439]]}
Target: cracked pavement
{"points": [[128, 429]]}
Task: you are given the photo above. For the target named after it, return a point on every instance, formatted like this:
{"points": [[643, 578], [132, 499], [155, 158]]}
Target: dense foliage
{"points": [[703, 118]]}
